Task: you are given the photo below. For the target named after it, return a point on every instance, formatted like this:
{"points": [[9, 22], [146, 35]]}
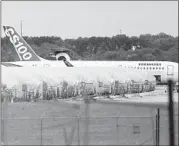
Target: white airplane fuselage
{"points": [[162, 70]]}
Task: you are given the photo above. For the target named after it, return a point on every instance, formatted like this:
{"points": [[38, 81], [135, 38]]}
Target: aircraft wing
{"points": [[7, 64]]}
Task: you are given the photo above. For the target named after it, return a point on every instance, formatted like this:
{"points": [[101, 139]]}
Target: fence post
{"points": [[156, 131], [117, 130], [86, 133], [2, 132], [41, 136], [158, 127], [171, 114], [153, 131], [78, 126], [158, 113]]}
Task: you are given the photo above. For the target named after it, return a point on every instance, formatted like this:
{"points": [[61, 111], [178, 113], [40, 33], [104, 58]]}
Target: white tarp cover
{"points": [[14, 76]]}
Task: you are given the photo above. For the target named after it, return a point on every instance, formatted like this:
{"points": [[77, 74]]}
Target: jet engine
{"points": [[63, 56]]}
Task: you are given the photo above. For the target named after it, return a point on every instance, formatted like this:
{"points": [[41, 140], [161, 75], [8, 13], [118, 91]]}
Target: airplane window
{"points": [[163, 68], [156, 67], [153, 67], [147, 67], [144, 68], [159, 67], [150, 68], [137, 67], [141, 68]]}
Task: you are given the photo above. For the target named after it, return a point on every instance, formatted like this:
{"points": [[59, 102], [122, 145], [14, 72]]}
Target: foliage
{"points": [[148, 47]]}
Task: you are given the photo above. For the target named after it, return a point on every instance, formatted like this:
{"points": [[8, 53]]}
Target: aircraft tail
{"points": [[24, 51]]}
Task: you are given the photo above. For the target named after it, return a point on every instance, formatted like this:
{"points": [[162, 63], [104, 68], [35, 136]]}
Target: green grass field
{"points": [[108, 125]]}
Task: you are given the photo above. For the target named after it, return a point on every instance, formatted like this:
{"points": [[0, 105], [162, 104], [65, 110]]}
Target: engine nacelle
{"points": [[63, 56]]}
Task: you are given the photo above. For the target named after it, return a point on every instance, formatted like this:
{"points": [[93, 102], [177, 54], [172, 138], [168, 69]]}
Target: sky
{"points": [[73, 19]]}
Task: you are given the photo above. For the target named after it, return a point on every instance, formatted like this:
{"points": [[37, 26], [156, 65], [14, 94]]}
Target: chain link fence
{"points": [[71, 131]]}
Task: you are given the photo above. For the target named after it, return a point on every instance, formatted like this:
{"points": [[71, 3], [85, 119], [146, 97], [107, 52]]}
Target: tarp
{"points": [[74, 81], [35, 75]]}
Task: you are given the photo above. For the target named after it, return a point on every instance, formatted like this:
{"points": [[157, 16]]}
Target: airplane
{"points": [[161, 70]]}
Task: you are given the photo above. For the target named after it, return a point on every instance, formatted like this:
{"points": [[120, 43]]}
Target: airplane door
{"points": [[170, 70], [158, 78]]}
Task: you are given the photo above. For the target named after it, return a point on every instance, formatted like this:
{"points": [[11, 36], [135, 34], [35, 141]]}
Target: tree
{"points": [[149, 57]]}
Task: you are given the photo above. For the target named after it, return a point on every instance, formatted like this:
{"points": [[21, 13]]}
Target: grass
{"points": [[108, 125]]}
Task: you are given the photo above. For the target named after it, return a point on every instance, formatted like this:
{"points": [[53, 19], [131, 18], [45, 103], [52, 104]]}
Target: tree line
{"points": [[160, 47]]}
